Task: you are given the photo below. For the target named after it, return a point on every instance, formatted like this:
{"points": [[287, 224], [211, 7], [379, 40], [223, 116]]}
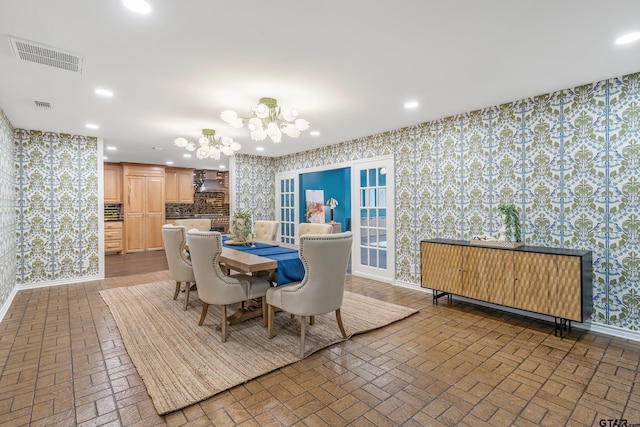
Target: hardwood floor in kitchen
{"points": [[63, 363], [134, 263]]}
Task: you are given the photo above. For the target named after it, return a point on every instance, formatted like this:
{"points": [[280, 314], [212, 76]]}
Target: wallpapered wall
{"points": [[57, 202], [255, 185], [7, 212], [569, 161]]}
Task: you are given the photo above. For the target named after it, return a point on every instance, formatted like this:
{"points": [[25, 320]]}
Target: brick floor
{"points": [[63, 363]]}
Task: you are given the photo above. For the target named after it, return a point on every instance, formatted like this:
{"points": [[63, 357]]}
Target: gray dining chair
{"points": [[180, 268], [266, 230], [214, 287], [325, 258], [314, 228], [202, 224]]}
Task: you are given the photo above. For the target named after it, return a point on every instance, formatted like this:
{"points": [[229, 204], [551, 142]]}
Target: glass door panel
{"points": [[374, 232], [287, 189]]}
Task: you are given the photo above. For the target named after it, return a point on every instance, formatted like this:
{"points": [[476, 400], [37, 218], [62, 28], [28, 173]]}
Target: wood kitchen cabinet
{"points": [[112, 183], [113, 237], [178, 185], [144, 210], [550, 281]]}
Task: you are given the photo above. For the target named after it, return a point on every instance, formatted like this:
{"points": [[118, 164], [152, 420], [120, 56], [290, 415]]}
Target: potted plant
{"points": [[511, 230], [241, 226]]}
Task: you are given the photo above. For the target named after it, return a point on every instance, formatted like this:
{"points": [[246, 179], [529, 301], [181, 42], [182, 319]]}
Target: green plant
{"points": [[512, 225], [241, 225]]}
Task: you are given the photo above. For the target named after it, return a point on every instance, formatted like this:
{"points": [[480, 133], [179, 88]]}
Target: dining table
{"points": [[260, 258]]}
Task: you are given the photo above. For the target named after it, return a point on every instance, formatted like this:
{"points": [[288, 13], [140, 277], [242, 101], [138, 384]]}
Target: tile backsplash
{"points": [[204, 203]]}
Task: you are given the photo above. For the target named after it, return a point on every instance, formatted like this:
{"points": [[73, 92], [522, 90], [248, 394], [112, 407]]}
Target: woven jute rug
{"points": [[182, 363]]}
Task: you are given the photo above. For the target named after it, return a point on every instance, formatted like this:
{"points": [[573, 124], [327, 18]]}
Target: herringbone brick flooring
{"points": [[63, 363]]}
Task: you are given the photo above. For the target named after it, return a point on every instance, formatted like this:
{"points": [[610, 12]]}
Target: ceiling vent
{"points": [[43, 105], [40, 54]]}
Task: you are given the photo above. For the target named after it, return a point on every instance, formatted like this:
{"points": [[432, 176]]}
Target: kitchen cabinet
{"points": [[179, 185], [144, 209], [550, 281], [112, 183], [113, 237]]}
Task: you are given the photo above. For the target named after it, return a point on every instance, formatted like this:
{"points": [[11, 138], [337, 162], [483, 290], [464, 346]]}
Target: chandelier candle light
{"points": [[268, 119], [209, 145]]}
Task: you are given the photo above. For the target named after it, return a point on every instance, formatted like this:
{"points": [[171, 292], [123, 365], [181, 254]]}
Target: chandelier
{"points": [[209, 145], [268, 119]]}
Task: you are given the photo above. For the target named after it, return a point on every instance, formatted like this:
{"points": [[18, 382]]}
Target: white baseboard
{"points": [[412, 286], [7, 303], [59, 282], [615, 331], [587, 326]]}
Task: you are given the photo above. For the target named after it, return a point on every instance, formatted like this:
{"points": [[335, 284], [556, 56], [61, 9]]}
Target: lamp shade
{"points": [[332, 203]]}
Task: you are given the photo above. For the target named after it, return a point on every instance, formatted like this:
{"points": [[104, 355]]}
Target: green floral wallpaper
{"points": [[569, 161], [7, 213], [57, 204], [255, 185]]}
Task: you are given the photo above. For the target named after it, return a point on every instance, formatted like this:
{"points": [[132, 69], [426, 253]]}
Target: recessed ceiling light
{"points": [[222, 166], [188, 156], [259, 148], [104, 157], [411, 104], [628, 38], [111, 148], [314, 133], [137, 6], [169, 162], [103, 92], [92, 126]]}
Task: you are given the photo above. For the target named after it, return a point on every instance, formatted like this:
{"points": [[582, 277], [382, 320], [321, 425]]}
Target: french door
{"points": [[286, 206], [372, 215], [373, 220]]}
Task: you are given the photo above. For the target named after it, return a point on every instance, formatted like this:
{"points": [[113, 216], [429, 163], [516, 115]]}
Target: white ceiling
{"points": [[347, 65]]}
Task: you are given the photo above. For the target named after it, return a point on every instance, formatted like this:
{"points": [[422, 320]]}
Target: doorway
{"points": [[372, 219]]}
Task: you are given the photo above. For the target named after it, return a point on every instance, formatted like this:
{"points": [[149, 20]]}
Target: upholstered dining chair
{"points": [[174, 238], [202, 224], [213, 286], [314, 228], [266, 230], [325, 259]]}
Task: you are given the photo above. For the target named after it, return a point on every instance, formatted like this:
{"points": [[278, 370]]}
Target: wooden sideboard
{"points": [[554, 282]]}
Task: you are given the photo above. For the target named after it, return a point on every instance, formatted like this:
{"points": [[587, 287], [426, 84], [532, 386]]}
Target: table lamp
{"points": [[332, 203]]}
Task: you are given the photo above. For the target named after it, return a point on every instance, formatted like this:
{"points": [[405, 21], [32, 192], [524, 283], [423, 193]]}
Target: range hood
{"points": [[207, 181]]}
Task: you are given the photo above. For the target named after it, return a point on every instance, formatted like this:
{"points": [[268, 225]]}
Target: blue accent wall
{"points": [[335, 183]]}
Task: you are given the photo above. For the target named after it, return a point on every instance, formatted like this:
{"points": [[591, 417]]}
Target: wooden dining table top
{"points": [[249, 263]]}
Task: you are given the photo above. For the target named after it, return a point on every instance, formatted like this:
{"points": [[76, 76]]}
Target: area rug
{"points": [[182, 363]]}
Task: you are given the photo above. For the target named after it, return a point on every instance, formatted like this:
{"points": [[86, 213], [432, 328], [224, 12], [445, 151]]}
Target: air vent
{"points": [[42, 104], [40, 54]]}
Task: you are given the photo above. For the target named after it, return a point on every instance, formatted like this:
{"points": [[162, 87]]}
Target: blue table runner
{"points": [[290, 268]]}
